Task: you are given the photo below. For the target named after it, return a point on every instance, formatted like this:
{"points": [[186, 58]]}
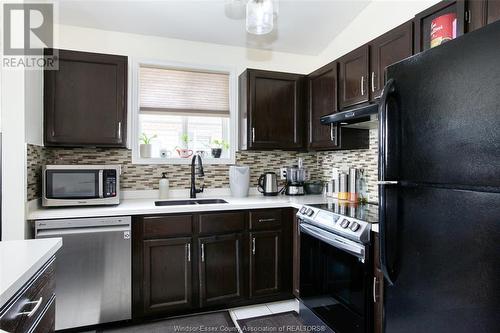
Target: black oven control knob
{"points": [[303, 210], [309, 212], [354, 226], [344, 224]]}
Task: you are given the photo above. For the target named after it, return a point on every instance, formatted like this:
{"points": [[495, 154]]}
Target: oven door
{"points": [[73, 184], [335, 279]]}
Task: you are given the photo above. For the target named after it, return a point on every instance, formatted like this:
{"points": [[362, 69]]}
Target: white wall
{"points": [[377, 18], [13, 155], [175, 50]]}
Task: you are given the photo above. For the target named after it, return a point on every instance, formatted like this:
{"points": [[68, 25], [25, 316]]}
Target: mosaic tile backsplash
{"points": [[363, 158], [146, 177]]}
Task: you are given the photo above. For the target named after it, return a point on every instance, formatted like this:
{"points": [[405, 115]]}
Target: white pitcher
{"points": [[239, 180]]}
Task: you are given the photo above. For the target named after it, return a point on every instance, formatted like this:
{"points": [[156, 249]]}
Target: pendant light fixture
{"points": [[260, 17]]}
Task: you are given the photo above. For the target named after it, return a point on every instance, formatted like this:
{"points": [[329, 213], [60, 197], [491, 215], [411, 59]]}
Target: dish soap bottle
{"points": [[164, 186]]}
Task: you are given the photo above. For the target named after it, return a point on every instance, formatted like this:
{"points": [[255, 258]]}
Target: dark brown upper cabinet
{"points": [[353, 77], [85, 100], [272, 110], [323, 93], [221, 269], [386, 50], [424, 20], [479, 13]]}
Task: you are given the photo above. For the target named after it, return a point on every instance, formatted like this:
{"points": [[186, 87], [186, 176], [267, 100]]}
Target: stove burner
{"points": [[364, 212]]}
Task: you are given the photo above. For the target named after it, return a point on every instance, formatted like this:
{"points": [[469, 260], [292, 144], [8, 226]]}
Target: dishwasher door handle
{"points": [[73, 231]]}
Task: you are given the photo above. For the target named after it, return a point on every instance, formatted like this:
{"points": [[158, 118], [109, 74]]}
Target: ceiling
{"points": [[303, 27]]}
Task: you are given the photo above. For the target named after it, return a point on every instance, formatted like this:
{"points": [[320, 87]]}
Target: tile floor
{"points": [[262, 310]]}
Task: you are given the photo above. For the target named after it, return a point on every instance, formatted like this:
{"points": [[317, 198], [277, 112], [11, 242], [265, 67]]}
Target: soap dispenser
{"points": [[164, 186]]}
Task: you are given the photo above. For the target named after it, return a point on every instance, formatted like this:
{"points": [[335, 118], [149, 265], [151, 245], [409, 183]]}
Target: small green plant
{"points": [[147, 139], [185, 139], [223, 144]]}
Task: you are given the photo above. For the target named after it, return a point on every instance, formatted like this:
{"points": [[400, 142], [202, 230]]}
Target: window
{"points": [[180, 111]]}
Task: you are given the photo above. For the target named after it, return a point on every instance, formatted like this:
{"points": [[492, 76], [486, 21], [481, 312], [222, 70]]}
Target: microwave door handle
{"points": [[331, 239], [101, 185]]}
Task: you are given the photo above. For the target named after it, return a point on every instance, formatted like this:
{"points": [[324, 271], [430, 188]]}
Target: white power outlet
{"points": [[282, 173]]}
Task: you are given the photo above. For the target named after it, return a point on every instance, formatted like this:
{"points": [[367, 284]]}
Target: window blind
{"points": [[182, 92]]}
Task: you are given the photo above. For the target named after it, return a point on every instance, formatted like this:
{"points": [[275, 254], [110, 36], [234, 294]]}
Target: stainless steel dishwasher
{"points": [[93, 269]]}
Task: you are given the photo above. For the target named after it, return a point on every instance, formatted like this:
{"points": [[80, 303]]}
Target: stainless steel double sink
{"points": [[190, 202]]}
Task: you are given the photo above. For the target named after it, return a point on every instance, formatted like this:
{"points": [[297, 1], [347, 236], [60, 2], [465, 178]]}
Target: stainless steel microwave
{"points": [[80, 185]]}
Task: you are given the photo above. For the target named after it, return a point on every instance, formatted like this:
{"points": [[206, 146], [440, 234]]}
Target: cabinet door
{"points": [[322, 101], [493, 11], [423, 22], [265, 263], [378, 288], [387, 49], [220, 267], [276, 110], [167, 275], [85, 101], [480, 13], [296, 255], [353, 77]]}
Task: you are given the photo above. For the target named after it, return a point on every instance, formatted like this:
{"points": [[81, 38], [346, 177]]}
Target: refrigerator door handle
{"points": [[388, 184], [390, 88]]}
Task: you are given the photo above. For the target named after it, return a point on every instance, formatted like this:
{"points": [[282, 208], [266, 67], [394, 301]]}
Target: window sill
{"points": [[182, 161]]}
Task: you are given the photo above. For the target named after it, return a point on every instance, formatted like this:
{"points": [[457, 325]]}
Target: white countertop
{"points": [[20, 260], [147, 206]]}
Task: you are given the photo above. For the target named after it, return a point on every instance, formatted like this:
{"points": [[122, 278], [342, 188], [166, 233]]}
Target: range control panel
{"points": [[348, 227]]}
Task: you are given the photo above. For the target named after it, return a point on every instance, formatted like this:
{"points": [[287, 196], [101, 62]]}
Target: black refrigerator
{"points": [[439, 188]]}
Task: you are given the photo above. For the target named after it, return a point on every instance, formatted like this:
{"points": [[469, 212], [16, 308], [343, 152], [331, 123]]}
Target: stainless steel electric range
{"points": [[336, 264]]}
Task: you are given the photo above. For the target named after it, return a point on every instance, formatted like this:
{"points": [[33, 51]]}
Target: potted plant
{"points": [[146, 147], [218, 146], [184, 151]]}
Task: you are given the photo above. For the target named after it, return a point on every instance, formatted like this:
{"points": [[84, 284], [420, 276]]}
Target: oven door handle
{"points": [[340, 243]]}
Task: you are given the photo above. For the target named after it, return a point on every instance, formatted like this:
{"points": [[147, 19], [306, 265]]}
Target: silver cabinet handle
{"points": [[362, 85], [253, 134], [33, 311], [266, 220], [373, 81], [188, 248], [253, 246], [202, 252], [333, 133], [119, 130], [374, 289]]}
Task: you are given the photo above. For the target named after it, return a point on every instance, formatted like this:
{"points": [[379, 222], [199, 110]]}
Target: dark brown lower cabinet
{"points": [[221, 269], [187, 263], [167, 273], [378, 288], [32, 308], [265, 263], [296, 255]]}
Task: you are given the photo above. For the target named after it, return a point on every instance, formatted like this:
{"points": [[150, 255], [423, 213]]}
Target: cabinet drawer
{"points": [[47, 322], [265, 219], [222, 222], [167, 226], [25, 310]]}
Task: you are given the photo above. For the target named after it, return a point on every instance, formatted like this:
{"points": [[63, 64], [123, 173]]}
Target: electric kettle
{"points": [[268, 184]]}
